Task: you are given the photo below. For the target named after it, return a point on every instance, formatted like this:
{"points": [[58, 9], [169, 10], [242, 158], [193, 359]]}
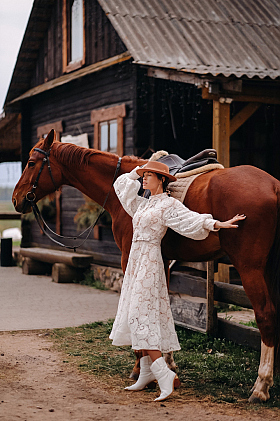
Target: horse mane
{"points": [[70, 154]]}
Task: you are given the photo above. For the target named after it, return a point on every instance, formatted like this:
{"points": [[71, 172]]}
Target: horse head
{"points": [[40, 177]]}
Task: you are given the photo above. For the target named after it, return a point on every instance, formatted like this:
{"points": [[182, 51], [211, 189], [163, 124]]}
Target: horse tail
{"points": [[273, 272]]}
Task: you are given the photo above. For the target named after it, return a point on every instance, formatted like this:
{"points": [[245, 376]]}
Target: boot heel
{"points": [[177, 382]]}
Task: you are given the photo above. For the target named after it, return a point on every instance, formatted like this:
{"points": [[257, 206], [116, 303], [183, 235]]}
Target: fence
{"points": [[192, 301]]}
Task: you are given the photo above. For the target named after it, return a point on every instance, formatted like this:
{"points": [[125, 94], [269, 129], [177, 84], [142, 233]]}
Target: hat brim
{"points": [[141, 171]]}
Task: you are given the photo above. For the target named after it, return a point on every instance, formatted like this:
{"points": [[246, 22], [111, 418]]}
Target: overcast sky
{"points": [[14, 16]]}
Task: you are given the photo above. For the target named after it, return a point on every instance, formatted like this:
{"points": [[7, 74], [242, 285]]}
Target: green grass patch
{"points": [[224, 308], [251, 323], [207, 366], [92, 282]]}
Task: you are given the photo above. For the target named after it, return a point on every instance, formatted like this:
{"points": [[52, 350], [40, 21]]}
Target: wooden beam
{"points": [[109, 113], [248, 95], [231, 294], [243, 116], [221, 131], [210, 318], [56, 125], [240, 334], [68, 77], [56, 256], [10, 215], [64, 37], [196, 287]]}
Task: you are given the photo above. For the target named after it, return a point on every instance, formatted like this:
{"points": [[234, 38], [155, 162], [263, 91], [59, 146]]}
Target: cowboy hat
{"points": [[157, 167]]}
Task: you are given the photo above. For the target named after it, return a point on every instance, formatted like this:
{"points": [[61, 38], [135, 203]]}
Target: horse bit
{"points": [[31, 196]]}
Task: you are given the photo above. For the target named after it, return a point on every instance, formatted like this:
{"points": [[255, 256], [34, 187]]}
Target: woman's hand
{"points": [[230, 223]]}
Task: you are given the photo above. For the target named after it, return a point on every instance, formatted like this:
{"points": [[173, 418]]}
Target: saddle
{"points": [[178, 165]]}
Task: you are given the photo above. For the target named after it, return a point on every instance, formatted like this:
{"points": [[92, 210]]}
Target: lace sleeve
{"points": [[126, 187], [188, 223]]}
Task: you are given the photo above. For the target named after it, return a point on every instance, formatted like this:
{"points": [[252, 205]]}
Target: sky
{"points": [[14, 16]]}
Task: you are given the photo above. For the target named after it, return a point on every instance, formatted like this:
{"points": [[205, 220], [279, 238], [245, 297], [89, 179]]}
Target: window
{"points": [[108, 129], [42, 131], [109, 136], [73, 35]]}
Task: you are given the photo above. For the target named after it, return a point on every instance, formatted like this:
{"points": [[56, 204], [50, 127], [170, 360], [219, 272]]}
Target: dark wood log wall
{"points": [[102, 42], [72, 103]]}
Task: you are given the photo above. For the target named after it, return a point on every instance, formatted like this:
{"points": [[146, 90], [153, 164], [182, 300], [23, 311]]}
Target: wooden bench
{"points": [[64, 266]]}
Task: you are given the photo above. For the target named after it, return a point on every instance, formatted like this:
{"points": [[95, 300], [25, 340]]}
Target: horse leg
{"points": [[136, 369], [168, 357], [256, 289], [264, 380]]}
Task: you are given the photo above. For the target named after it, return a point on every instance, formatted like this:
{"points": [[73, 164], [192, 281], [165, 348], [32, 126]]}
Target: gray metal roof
{"points": [[239, 37]]}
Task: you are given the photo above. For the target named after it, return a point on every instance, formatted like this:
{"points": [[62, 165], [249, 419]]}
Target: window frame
{"points": [[67, 65], [118, 113]]}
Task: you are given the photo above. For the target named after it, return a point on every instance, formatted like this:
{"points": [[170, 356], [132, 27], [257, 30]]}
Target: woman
{"points": [[144, 319]]}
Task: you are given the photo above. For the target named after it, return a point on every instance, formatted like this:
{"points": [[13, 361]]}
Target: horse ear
{"points": [[49, 139]]}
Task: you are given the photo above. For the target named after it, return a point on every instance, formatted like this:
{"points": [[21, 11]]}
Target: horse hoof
{"points": [[254, 399], [152, 385], [134, 376]]}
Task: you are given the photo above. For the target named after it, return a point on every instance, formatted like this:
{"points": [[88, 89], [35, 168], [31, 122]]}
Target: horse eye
{"points": [[31, 164]]}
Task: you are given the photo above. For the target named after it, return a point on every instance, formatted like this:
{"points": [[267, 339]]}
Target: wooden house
{"points": [[136, 77]]}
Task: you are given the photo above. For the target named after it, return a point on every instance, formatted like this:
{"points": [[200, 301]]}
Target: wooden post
{"points": [[221, 131], [210, 322], [62, 273], [34, 267]]}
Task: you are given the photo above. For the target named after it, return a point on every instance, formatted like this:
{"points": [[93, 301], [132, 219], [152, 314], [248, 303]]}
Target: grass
{"points": [[207, 366], [251, 323], [92, 282]]}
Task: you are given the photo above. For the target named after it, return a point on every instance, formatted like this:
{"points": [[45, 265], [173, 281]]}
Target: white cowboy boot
{"points": [[165, 378], [145, 377]]}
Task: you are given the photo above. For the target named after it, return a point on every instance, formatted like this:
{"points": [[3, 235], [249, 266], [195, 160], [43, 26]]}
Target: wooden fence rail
{"points": [[192, 302], [10, 215]]}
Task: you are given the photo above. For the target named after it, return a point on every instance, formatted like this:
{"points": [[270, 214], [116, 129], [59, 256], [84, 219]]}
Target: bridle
{"points": [[31, 197]]}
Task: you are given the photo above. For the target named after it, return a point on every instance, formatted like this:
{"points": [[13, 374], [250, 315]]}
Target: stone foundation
{"points": [[111, 277]]}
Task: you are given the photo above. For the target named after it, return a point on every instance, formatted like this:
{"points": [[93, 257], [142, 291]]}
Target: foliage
{"points": [[251, 323], [47, 208], [88, 213], [224, 308], [207, 366], [91, 281]]}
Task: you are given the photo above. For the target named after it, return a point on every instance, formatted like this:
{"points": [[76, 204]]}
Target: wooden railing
{"points": [[10, 215], [192, 302]]}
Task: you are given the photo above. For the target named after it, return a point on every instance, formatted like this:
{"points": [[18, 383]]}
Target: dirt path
{"points": [[35, 384]]}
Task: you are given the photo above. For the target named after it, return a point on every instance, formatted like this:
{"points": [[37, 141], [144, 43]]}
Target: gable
{"points": [[40, 58]]}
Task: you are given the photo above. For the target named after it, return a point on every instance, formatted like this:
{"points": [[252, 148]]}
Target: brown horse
{"points": [[253, 248]]}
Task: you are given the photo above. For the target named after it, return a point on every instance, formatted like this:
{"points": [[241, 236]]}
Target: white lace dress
{"points": [[144, 319]]}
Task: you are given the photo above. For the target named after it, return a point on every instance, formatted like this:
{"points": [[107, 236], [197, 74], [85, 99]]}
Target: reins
{"points": [[31, 196]]}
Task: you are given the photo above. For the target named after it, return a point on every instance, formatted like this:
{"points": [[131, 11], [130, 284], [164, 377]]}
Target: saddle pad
{"points": [[200, 170], [178, 189]]}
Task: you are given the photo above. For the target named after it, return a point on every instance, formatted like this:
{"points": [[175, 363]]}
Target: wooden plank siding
{"points": [[101, 42], [72, 104]]}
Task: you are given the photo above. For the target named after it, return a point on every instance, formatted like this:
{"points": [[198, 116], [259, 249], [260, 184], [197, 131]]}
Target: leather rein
{"points": [[31, 197]]}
